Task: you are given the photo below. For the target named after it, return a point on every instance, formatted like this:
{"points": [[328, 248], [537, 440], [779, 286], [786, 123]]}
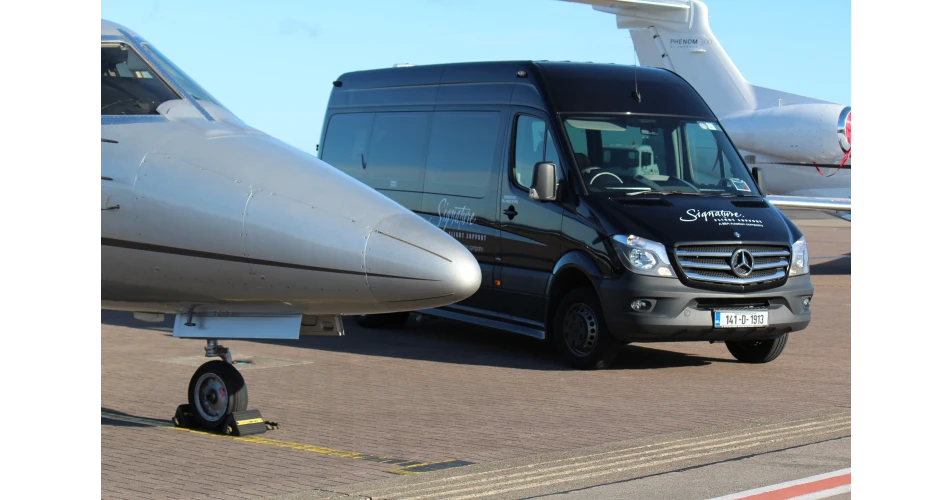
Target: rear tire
{"points": [[580, 332], [389, 320], [757, 351]]}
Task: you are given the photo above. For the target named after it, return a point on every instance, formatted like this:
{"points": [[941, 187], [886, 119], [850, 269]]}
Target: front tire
{"points": [[757, 351], [216, 390], [580, 332], [389, 320]]}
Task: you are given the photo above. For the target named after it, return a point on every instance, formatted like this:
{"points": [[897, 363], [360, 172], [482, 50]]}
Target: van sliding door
{"points": [[460, 188]]}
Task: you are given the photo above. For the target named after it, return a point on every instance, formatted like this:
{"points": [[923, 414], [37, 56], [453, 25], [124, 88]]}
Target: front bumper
{"points": [[681, 313]]}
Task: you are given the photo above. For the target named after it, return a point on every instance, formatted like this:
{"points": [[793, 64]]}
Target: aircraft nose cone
{"points": [[411, 264]]}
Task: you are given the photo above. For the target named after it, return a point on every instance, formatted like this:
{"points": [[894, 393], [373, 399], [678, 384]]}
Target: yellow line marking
{"points": [[405, 471], [321, 450], [290, 445]]}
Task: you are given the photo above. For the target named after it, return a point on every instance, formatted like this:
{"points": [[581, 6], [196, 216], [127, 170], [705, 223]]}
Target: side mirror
{"points": [[543, 182], [758, 174]]}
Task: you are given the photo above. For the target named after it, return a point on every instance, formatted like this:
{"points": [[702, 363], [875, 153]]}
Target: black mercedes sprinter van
{"points": [[604, 202]]}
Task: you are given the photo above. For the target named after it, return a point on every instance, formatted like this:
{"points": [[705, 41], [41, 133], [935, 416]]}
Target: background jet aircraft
{"points": [[241, 235], [802, 144]]}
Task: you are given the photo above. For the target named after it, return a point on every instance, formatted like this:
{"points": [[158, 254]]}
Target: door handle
{"points": [[106, 178], [510, 212]]}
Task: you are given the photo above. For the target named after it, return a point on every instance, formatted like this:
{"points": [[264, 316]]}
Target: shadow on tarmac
{"points": [[835, 267], [121, 423], [447, 341]]}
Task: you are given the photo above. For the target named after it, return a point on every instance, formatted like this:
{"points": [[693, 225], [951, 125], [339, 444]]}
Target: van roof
{"points": [[482, 72], [567, 86]]}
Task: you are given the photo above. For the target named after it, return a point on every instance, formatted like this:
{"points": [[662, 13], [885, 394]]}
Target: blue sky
{"points": [[272, 62]]}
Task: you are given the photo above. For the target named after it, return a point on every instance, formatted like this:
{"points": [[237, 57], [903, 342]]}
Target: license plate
{"points": [[740, 319]]}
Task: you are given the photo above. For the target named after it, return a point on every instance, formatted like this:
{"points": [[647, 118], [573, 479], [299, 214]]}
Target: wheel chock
{"points": [[241, 423], [244, 423], [183, 417]]}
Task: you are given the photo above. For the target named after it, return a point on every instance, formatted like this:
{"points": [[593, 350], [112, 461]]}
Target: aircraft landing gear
{"points": [[212, 349], [218, 398], [216, 390]]}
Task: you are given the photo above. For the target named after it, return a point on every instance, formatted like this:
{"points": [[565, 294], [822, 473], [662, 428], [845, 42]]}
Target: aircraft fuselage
{"points": [[200, 211]]}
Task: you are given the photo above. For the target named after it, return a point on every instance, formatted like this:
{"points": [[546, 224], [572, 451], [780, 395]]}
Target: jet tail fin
{"points": [[675, 34]]}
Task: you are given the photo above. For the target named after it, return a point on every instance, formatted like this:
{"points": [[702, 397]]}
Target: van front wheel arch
{"points": [[580, 332]]}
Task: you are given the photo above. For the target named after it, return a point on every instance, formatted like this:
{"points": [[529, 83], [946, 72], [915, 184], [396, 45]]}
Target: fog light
{"points": [[640, 305], [806, 302]]}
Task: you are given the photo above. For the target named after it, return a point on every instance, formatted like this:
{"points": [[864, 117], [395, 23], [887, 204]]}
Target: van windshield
{"points": [[628, 155]]}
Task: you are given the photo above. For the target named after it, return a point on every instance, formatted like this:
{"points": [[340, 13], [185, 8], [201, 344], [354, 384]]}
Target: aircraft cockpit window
{"points": [[129, 86], [190, 86]]}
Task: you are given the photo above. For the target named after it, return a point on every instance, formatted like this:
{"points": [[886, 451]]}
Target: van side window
{"points": [[462, 147], [346, 142], [398, 151], [530, 132]]}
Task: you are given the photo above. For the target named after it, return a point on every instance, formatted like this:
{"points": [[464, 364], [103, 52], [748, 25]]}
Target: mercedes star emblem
{"points": [[742, 262]]}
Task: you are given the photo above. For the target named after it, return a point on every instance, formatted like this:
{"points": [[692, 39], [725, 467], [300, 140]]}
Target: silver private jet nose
{"points": [[268, 227], [440, 269], [315, 237]]}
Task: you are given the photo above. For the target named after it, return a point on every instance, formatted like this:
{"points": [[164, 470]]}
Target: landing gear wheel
{"points": [[580, 332], [390, 320], [757, 351], [216, 390]]}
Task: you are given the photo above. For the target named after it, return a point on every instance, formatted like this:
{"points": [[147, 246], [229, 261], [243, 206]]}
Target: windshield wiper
{"points": [[688, 193]]}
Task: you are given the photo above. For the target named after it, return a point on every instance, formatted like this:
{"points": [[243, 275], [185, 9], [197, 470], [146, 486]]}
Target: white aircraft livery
{"points": [[802, 145], [240, 235]]}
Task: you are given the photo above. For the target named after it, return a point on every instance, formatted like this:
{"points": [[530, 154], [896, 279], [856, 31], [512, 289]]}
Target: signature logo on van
{"points": [[454, 216], [721, 217], [693, 214]]}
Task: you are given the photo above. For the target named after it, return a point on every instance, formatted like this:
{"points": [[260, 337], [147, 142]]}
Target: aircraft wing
{"points": [[662, 10], [646, 4], [810, 202], [675, 11]]}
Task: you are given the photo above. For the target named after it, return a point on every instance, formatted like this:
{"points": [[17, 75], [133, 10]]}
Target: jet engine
{"points": [[820, 133]]}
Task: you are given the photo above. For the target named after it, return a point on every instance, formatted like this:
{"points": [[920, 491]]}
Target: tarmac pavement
{"points": [[378, 409]]}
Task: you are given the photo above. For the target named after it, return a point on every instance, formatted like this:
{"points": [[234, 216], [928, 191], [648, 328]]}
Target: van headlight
{"points": [[800, 259], [643, 256]]}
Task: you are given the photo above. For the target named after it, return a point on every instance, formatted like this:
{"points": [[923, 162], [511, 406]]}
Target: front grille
{"points": [[712, 263], [711, 304]]}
